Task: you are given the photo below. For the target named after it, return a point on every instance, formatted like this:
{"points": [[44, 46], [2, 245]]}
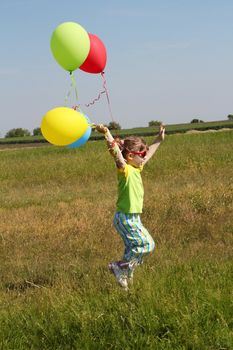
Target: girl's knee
{"points": [[151, 245], [148, 245]]}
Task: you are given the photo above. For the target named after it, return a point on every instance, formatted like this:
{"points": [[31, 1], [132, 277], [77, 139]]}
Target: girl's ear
{"points": [[129, 156]]}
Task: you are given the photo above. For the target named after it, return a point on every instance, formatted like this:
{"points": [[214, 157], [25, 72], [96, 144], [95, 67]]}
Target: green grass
{"points": [[56, 239]]}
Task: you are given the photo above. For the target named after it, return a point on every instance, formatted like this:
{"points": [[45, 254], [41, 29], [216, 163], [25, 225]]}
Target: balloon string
{"points": [[105, 91], [95, 99], [72, 87], [107, 95], [92, 102], [68, 94]]}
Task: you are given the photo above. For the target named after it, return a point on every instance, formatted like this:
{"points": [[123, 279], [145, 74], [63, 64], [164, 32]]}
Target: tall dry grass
{"points": [[56, 239]]}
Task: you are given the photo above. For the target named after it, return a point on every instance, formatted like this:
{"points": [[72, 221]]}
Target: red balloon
{"points": [[97, 57]]}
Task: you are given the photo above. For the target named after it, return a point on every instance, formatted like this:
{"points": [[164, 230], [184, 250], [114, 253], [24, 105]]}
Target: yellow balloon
{"points": [[62, 126]]}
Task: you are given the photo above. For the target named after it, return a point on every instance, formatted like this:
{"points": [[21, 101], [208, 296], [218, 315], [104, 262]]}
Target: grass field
{"points": [[56, 239]]}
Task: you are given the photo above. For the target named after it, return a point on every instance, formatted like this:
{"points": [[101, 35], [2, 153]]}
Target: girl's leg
{"points": [[138, 242]]}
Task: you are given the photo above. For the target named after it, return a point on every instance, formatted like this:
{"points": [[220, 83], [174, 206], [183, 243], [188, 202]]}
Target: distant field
{"points": [[144, 131], [56, 240]]}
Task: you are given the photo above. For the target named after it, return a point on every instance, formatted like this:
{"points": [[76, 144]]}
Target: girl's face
{"points": [[136, 159]]}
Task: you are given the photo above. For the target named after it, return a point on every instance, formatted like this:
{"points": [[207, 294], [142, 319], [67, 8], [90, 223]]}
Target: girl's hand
{"points": [[101, 128], [162, 132]]}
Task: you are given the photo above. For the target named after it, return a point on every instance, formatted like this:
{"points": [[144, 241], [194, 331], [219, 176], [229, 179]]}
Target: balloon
{"points": [[70, 45], [62, 126], [97, 57], [83, 139]]}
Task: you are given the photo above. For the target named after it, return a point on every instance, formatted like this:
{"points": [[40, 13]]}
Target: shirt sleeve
{"points": [[115, 151], [126, 170]]}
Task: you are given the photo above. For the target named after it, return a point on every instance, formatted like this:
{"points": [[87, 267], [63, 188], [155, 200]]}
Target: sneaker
{"points": [[120, 275], [131, 267], [130, 275]]}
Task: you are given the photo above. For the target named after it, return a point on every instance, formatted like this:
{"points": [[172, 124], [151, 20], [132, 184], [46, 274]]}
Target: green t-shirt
{"points": [[130, 190]]}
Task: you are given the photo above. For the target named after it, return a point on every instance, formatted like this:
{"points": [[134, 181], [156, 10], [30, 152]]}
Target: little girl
{"points": [[130, 155]]}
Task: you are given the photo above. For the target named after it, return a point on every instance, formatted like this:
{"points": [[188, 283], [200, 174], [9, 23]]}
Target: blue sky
{"points": [[167, 60]]}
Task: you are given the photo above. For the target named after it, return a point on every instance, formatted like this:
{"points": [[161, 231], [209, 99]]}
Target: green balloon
{"points": [[70, 45]]}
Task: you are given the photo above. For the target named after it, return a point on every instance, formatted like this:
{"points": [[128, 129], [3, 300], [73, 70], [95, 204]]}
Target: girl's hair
{"points": [[131, 144]]}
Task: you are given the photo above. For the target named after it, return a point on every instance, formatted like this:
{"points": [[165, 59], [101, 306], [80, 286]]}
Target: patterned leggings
{"points": [[138, 242]]}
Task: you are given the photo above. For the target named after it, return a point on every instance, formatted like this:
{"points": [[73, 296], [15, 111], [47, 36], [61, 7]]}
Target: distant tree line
{"points": [[20, 132], [154, 123], [114, 126], [195, 120]]}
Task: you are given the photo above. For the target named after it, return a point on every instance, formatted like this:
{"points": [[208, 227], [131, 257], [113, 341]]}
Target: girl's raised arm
{"points": [[113, 147], [156, 143]]}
